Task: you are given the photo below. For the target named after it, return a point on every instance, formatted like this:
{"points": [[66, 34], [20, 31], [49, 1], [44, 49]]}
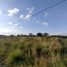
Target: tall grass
{"points": [[33, 52]]}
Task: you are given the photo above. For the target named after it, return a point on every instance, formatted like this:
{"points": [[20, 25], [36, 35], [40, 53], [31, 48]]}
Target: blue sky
{"points": [[14, 17]]}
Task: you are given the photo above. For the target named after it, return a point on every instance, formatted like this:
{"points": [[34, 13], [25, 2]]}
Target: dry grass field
{"points": [[33, 52]]}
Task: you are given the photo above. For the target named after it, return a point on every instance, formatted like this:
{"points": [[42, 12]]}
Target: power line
{"points": [[48, 8]]}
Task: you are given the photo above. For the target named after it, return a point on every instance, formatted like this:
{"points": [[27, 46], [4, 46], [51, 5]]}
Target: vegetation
{"points": [[22, 51]]}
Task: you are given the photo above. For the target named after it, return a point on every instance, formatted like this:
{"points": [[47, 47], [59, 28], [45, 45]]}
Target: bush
{"points": [[15, 57], [39, 34]]}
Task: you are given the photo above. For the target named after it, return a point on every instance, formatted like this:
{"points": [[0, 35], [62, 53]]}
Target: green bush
{"points": [[15, 57]]}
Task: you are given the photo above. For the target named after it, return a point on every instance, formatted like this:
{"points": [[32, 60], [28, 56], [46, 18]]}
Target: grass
{"points": [[33, 52]]}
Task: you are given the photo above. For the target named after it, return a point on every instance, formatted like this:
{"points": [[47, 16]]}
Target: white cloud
{"points": [[15, 24], [22, 16], [4, 30], [46, 14], [11, 29], [30, 10], [13, 11], [45, 23], [27, 16], [10, 23], [0, 12]]}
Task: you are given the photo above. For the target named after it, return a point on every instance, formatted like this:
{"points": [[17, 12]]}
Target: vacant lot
{"points": [[33, 52]]}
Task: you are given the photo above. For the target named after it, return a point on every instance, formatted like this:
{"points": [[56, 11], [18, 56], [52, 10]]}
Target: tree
{"points": [[46, 34], [18, 35], [39, 34], [30, 34], [12, 35]]}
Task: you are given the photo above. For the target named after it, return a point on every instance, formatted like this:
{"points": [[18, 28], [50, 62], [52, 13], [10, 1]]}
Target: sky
{"points": [[16, 17]]}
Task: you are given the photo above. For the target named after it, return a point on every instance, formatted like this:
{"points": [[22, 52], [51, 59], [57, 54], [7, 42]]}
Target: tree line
{"points": [[39, 34]]}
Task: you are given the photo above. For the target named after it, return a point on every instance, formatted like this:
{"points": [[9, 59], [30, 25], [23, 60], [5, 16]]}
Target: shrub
{"points": [[39, 34], [15, 57]]}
